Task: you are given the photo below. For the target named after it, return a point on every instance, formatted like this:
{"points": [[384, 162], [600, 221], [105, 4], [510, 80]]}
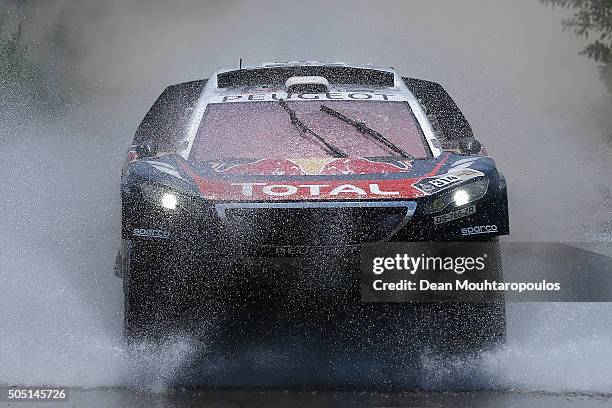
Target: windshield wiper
{"points": [[366, 130], [331, 149]]}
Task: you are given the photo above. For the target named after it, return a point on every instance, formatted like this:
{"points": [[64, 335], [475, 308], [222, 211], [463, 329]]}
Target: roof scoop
{"points": [[307, 84]]}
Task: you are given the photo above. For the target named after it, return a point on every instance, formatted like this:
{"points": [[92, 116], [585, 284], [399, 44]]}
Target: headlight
{"points": [[160, 196], [461, 197], [169, 201], [458, 196]]}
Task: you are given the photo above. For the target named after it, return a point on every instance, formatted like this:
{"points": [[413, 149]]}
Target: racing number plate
{"points": [[454, 215]]}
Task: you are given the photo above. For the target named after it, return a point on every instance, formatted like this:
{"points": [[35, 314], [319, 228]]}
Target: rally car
{"points": [[295, 160]]}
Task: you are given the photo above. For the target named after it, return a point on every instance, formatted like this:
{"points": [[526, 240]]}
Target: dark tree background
{"points": [[592, 19], [34, 77]]}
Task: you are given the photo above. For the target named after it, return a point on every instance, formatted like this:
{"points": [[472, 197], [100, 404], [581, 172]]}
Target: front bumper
{"points": [[290, 229]]}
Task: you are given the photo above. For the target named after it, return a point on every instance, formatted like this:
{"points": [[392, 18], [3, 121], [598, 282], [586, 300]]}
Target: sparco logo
{"points": [[479, 229], [151, 233]]}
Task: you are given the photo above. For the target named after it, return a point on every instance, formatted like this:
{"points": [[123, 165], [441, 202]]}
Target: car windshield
{"points": [[258, 130]]}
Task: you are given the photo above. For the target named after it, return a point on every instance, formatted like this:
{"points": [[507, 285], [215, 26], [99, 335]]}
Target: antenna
{"points": [[240, 67]]}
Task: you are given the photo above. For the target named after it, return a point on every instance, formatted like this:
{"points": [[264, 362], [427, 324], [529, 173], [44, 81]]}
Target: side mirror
{"points": [[470, 145], [147, 148]]}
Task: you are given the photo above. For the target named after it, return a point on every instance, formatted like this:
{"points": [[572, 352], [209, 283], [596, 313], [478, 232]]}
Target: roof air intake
{"points": [[277, 76], [307, 84]]}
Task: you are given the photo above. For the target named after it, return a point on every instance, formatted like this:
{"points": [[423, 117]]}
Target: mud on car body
{"points": [[288, 159]]}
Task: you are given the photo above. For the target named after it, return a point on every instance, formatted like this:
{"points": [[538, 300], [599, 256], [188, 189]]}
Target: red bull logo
{"points": [[321, 166], [295, 189], [365, 166]]}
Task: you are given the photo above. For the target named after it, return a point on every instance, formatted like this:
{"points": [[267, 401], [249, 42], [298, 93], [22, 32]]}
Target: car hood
{"points": [[316, 179]]}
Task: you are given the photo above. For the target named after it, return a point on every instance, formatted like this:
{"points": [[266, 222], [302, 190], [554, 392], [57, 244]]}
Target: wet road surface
{"points": [[106, 398]]}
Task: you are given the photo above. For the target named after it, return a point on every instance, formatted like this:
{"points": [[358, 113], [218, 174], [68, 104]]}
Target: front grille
{"points": [[314, 224]]}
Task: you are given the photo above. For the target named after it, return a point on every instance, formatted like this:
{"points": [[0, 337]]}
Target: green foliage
{"points": [[592, 19]]}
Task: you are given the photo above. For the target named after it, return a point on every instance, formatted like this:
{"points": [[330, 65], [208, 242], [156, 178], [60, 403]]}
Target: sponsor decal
{"points": [[327, 96], [479, 229], [275, 167], [151, 233], [366, 166], [312, 166], [463, 163], [315, 166], [454, 215], [304, 189], [284, 190], [228, 167], [433, 185], [164, 168], [296, 251]]}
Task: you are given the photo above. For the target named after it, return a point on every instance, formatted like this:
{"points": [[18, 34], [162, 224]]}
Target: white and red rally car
{"points": [[297, 159]]}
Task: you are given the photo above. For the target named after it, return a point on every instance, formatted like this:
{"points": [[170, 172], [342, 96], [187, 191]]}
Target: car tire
{"points": [[469, 327], [166, 292], [449, 327], [147, 309]]}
